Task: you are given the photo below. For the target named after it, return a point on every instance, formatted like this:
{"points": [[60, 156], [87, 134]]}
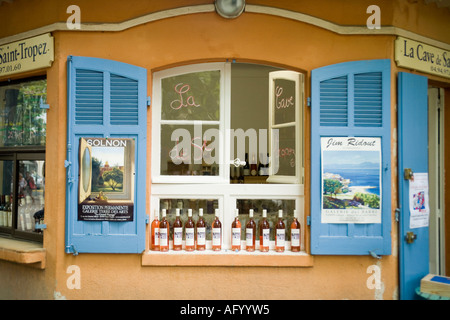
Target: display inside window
{"points": [[22, 120], [206, 206], [106, 188], [258, 225], [31, 191], [6, 187]]}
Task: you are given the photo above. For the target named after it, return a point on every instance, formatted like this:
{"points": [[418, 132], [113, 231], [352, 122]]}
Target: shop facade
{"points": [[152, 107]]}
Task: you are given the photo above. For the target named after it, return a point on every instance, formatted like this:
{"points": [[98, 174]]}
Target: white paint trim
{"points": [[170, 13]]}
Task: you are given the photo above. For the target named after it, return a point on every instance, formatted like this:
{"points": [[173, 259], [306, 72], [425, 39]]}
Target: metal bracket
{"points": [[71, 249], [410, 237], [397, 214], [408, 174]]}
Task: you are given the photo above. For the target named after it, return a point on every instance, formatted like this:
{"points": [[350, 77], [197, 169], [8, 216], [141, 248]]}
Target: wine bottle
{"points": [[250, 232], [295, 234], [253, 166], [246, 166], [189, 232], [201, 231], [177, 231], [236, 232], [164, 232], [216, 233], [264, 233], [155, 232], [280, 233]]}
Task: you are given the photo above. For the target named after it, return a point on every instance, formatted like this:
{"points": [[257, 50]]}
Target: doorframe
{"points": [[436, 138]]}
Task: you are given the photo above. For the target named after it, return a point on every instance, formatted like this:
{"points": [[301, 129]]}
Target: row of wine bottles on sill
{"points": [[195, 233]]}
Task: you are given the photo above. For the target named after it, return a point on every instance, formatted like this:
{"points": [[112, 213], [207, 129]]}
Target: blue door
{"points": [[413, 155]]}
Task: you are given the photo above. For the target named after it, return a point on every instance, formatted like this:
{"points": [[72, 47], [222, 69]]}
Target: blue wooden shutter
{"points": [[105, 99], [413, 154], [351, 99]]}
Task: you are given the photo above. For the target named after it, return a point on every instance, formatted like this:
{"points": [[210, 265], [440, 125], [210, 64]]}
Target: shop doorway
{"points": [[436, 136]]}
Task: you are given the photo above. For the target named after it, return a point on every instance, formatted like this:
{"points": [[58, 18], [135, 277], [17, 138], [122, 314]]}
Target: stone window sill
{"points": [[23, 252], [227, 258]]}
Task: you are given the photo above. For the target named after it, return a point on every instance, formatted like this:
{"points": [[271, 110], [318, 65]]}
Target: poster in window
{"points": [[106, 180], [351, 180]]}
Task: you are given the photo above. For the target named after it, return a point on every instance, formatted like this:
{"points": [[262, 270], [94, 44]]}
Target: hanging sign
{"points": [[422, 57], [26, 55], [351, 180], [106, 179]]}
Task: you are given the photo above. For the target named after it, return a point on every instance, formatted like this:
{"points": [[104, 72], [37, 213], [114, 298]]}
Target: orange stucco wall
{"points": [[181, 40]]}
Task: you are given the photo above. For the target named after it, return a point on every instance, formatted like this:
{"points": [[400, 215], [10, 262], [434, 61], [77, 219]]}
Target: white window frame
{"points": [[223, 123], [219, 187], [297, 123]]}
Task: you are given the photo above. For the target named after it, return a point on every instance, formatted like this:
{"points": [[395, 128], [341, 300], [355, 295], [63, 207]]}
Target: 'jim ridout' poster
{"points": [[106, 181], [351, 180]]}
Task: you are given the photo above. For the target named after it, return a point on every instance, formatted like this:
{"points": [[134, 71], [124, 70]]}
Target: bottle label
{"points": [[295, 237], [280, 237], [156, 236], [177, 236], [201, 236], [236, 236], [216, 237], [189, 237], [265, 237], [163, 237], [249, 237]]}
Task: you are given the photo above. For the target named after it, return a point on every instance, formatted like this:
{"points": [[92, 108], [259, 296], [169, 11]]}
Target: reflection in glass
{"points": [[31, 189], [191, 96], [190, 150], [22, 121], [284, 96]]}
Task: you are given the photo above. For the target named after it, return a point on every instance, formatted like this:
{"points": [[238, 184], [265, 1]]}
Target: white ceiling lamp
{"points": [[230, 8]]}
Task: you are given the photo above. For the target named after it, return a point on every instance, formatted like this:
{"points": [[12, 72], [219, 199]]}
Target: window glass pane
{"points": [[272, 207], [208, 206], [192, 96], [6, 178], [31, 188], [285, 161], [284, 101], [22, 121], [190, 150]]}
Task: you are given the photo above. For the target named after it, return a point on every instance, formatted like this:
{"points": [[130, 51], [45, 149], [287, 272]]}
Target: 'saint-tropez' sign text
{"points": [[26, 55]]}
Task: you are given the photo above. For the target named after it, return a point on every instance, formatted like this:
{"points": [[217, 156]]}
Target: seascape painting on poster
{"points": [[351, 180]]}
